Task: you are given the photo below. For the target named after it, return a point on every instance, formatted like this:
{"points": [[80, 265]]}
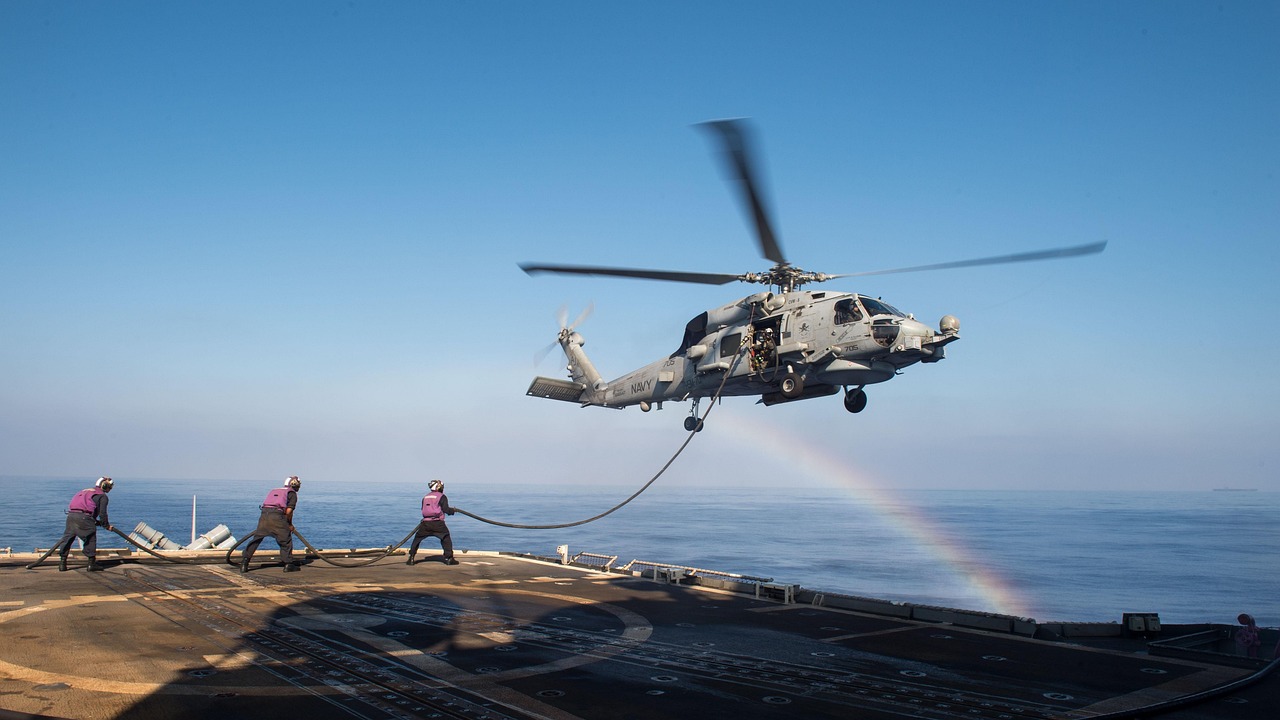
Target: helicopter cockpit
{"points": [[880, 307], [847, 311]]}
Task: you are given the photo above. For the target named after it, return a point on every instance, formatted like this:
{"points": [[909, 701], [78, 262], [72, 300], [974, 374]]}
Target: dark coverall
{"points": [[85, 526], [279, 525], [434, 527]]}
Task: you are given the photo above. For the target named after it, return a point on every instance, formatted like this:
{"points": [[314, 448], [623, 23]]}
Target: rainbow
{"points": [[813, 461]]}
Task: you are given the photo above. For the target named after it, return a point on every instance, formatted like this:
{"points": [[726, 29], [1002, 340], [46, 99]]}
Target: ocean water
{"points": [[1085, 556]]}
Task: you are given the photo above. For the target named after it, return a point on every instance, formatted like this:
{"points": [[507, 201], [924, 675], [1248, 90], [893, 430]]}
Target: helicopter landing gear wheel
{"points": [[791, 386], [855, 400], [693, 423]]}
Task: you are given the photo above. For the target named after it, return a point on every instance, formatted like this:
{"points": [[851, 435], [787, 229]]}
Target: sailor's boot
{"points": [[244, 564], [410, 560], [62, 563], [94, 566]]}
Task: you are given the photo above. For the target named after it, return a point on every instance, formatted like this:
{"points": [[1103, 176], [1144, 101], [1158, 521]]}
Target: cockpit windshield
{"points": [[878, 307]]}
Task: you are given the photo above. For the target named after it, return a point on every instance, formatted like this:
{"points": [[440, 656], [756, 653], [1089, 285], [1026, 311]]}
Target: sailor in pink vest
{"points": [[88, 510], [435, 505], [276, 520]]}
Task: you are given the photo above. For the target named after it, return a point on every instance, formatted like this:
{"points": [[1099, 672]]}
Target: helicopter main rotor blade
{"points": [[733, 134], [1053, 254], [671, 275]]}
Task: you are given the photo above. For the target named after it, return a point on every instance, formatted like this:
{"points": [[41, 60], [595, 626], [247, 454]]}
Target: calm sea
{"points": [[1189, 556]]}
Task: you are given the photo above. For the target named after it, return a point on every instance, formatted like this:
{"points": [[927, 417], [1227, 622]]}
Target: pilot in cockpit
{"points": [[847, 311]]}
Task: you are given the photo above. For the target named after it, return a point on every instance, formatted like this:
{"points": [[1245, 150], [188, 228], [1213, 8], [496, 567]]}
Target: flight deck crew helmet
{"points": [[105, 483], [292, 482], [436, 486]]}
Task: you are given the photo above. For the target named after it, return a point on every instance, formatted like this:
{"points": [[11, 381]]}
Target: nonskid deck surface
{"points": [[502, 637]]}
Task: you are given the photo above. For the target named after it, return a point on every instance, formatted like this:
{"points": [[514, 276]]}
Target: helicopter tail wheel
{"points": [[791, 386], [693, 424], [855, 400]]}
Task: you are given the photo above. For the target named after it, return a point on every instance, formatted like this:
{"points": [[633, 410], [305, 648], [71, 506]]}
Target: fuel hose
{"points": [[689, 438]]}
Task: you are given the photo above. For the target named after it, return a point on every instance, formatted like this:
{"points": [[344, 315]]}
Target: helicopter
{"points": [[783, 345]]}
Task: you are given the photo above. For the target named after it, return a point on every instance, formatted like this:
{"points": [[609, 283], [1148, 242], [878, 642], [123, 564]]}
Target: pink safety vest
{"points": [[85, 501], [277, 499], [431, 506]]}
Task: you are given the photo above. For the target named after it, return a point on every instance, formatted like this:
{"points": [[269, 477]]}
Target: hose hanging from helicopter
{"points": [[742, 351]]}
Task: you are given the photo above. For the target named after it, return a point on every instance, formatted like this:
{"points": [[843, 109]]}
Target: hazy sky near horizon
{"points": [[244, 240]]}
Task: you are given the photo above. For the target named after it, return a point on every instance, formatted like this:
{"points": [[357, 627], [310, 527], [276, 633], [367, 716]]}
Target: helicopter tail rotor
{"points": [[585, 385], [566, 330]]}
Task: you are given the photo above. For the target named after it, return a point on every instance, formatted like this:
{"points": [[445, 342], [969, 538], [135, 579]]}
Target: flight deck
{"points": [[505, 636]]}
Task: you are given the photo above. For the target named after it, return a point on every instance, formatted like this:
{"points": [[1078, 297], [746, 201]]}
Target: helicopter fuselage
{"points": [[781, 347], [787, 346]]}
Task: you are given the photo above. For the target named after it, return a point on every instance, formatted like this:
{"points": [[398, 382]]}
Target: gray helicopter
{"points": [[782, 345]]}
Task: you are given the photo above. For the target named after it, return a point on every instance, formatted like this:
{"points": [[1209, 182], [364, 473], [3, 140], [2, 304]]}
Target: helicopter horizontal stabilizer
{"points": [[553, 389]]}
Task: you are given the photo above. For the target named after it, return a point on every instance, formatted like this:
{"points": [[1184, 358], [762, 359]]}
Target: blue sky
{"points": [[243, 241]]}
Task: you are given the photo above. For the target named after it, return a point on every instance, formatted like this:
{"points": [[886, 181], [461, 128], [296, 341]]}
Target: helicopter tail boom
{"points": [[585, 385]]}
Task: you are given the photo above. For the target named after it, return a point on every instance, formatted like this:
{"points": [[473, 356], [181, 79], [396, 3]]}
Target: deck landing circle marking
{"points": [[636, 629]]}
